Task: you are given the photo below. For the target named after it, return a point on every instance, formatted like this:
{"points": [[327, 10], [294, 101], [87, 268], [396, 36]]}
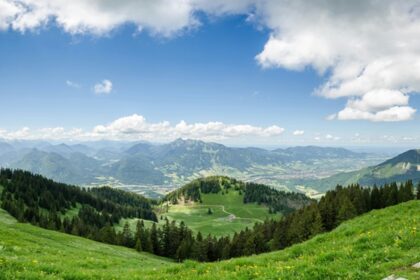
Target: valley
{"points": [[154, 170]]}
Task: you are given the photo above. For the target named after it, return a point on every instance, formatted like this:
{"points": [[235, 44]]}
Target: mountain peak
{"points": [[410, 156]]}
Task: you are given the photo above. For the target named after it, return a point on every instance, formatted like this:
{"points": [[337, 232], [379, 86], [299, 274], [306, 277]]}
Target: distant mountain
{"points": [[5, 148], [76, 169], [175, 163], [136, 170], [314, 152], [403, 167]]}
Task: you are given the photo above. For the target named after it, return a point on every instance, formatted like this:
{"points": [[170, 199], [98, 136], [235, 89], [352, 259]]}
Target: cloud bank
{"points": [[367, 51], [136, 127]]}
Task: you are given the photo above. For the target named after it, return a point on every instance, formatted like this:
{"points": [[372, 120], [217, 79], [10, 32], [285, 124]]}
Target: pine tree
{"points": [[346, 211], [328, 208], [199, 251], [406, 192], [127, 237], [392, 195], [375, 198], [139, 235], [154, 239], [182, 251], [138, 245], [316, 226]]}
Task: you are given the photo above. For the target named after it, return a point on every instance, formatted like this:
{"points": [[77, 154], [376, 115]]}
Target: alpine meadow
{"points": [[198, 139]]}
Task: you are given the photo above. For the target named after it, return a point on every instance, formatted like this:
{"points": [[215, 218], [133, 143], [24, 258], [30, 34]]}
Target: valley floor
{"points": [[373, 246]]}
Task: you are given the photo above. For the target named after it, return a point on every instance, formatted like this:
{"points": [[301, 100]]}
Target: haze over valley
{"points": [[154, 169]]}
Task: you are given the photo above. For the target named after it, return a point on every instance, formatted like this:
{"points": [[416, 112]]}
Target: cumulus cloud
{"points": [[393, 114], [104, 87], [377, 105], [136, 127], [367, 51], [98, 17], [298, 132]]}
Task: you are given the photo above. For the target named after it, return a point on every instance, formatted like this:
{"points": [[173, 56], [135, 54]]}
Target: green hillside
{"points": [[29, 252], [229, 214], [233, 205], [372, 246]]}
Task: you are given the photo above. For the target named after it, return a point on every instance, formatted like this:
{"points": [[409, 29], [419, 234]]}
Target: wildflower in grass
{"points": [[397, 241]]}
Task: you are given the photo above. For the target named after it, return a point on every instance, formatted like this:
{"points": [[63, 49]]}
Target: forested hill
{"points": [[276, 201], [43, 202]]}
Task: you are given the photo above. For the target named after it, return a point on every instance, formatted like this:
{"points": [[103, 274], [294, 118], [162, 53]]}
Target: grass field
{"points": [[230, 214], [372, 246], [29, 252]]}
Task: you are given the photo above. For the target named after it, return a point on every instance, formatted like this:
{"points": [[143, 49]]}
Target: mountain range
{"points": [[149, 166]]}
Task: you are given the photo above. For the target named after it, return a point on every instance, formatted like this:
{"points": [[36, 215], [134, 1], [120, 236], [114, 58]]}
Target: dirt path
{"points": [[224, 211]]}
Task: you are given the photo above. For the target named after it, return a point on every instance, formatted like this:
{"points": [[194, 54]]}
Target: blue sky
{"points": [[208, 73]]}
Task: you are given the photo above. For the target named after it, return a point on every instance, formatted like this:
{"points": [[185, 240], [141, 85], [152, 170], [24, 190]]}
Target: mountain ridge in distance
{"points": [[175, 163], [403, 167]]}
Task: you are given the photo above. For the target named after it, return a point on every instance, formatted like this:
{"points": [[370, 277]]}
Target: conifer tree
{"points": [[127, 237], [154, 239], [346, 211]]}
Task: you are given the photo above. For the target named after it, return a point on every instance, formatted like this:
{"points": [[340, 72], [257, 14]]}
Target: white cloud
{"points": [[72, 84], [396, 113], [8, 11], [368, 51], [22, 133], [135, 127], [164, 17], [104, 87], [298, 132], [377, 105]]}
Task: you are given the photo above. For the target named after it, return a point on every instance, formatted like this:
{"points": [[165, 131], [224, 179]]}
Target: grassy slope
{"points": [[196, 217], [28, 252], [373, 246]]}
